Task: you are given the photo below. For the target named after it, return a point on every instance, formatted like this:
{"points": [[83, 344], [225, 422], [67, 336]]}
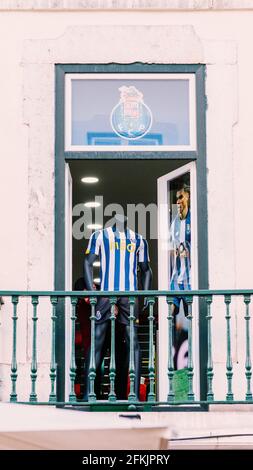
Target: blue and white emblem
{"points": [[131, 118], [98, 315]]}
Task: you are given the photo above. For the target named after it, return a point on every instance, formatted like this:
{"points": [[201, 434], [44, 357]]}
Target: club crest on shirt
{"points": [[98, 315]]}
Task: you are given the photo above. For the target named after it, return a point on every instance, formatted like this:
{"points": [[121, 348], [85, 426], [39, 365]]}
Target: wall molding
{"points": [[147, 5]]}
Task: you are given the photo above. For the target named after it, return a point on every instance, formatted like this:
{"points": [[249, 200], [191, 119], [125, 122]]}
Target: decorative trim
{"points": [[148, 5]]}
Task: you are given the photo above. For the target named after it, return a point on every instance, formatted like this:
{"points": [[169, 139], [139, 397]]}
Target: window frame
{"points": [[134, 76], [62, 156]]}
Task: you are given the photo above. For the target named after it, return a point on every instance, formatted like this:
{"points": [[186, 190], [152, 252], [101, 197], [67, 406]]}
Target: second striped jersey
{"points": [[180, 239]]}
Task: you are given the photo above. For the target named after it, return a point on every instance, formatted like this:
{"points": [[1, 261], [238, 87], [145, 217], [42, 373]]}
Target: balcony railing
{"points": [[206, 304]]}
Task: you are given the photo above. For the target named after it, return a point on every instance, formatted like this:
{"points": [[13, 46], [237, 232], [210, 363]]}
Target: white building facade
{"points": [[40, 37]]}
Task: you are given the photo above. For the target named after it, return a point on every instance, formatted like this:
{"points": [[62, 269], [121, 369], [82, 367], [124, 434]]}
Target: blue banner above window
{"points": [[148, 111]]}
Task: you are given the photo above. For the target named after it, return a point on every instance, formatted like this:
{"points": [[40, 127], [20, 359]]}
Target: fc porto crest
{"points": [[131, 118], [98, 315]]}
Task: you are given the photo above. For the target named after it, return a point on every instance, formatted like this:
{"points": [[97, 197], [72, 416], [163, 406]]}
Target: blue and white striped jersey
{"points": [[119, 254], [180, 249]]}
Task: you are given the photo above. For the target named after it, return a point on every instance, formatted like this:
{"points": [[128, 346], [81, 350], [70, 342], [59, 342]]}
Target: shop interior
{"points": [[121, 182]]}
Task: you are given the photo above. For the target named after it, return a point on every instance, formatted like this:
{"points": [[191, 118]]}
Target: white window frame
{"points": [[134, 76], [163, 270]]}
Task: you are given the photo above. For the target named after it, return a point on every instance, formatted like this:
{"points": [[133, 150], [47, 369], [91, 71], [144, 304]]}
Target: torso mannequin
{"points": [[119, 249], [129, 242]]}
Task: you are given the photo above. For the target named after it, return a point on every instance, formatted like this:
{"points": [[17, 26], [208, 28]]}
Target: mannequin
{"points": [[118, 241]]}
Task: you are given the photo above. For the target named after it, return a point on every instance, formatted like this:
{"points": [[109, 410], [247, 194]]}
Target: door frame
{"points": [[68, 270], [163, 270], [62, 157]]}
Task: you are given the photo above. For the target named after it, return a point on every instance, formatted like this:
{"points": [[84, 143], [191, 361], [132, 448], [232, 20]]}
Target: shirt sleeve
{"points": [[94, 244], [143, 251]]}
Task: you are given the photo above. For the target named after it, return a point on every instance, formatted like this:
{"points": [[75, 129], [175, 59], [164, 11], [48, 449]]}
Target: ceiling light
{"points": [[92, 204], [90, 179], [94, 226]]}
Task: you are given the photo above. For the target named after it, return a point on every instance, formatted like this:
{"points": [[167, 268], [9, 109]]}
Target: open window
{"points": [[178, 270], [135, 125]]}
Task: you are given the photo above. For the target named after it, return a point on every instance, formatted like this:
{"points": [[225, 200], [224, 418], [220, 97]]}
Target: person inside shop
{"points": [[180, 249]]}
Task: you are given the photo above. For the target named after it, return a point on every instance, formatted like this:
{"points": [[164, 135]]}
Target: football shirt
{"points": [[180, 238], [119, 254]]}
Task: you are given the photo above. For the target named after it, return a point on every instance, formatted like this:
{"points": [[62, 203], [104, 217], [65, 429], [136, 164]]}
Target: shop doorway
{"points": [[144, 184]]}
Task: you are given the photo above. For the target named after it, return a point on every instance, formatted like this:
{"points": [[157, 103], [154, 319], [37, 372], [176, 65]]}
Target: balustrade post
{"points": [[171, 395], [229, 364], [132, 395], [33, 394], [151, 361], [248, 372], [190, 366], [210, 395], [92, 365], [52, 396], [14, 369], [112, 369], [72, 369]]}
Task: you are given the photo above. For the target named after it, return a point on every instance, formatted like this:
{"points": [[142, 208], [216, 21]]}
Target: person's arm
{"points": [[146, 279], [91, 255], [87, 270], [146, 273]]}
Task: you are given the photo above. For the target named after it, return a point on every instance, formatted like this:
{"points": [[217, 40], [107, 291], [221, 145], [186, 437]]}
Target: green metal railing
{"points": [[203, 307]]}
